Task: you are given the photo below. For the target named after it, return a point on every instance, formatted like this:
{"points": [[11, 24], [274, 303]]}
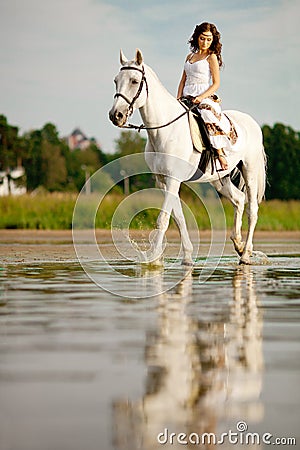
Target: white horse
{"points": [[171, 156]]}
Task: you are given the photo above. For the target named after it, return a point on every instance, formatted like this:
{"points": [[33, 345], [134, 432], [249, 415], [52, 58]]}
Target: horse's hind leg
{"points": [[252, 213], [237, 199]]}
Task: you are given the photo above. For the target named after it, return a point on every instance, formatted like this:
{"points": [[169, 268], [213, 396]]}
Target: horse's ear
{"points": [[139, 57], [123, 58]]}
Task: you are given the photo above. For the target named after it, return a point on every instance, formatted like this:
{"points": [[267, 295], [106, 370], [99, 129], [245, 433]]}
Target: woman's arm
{"points": [[183, 78], [215, 75], [181, 85]]}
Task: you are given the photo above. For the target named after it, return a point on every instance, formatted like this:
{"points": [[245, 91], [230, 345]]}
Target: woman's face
{"points": [[205, 40]]}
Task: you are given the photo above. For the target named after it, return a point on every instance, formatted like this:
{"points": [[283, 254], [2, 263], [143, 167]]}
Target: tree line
{"points": [[51, 165]]}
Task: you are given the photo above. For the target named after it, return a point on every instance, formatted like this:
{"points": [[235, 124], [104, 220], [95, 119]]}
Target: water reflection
{"points": [[202, 371]]}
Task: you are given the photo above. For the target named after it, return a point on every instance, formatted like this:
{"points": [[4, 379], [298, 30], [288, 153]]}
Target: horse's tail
{"points": [[261, 175], [237, 177]]}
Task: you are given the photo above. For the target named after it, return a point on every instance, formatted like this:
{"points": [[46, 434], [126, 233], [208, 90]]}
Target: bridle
{"points": [[143, 80], [132, 102]]}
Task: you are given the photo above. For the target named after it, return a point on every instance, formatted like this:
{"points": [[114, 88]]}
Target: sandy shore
{"points": [[29, 246]]}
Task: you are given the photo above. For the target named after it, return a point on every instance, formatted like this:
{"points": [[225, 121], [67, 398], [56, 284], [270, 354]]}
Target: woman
{"points": [[201, 79]]}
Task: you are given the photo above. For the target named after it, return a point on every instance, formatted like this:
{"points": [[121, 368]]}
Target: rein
{"points": [[143, 127], [131, 103]]}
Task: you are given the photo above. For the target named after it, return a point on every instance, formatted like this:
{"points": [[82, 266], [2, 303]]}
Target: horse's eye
{"points": [[134, 81]]}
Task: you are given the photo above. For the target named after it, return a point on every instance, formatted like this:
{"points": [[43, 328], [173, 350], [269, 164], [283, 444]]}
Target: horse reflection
{"points": [[200, 373]]}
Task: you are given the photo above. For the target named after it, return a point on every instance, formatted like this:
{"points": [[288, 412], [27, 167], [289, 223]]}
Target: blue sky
{"points": [[58, 59]]}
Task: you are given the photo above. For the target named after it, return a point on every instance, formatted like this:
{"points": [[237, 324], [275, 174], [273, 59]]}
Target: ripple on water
{"points": [[105, 368]]}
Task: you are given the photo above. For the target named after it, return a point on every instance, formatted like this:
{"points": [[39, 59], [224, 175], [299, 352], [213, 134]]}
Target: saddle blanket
{"points": [[200, 131], [197, 139]]}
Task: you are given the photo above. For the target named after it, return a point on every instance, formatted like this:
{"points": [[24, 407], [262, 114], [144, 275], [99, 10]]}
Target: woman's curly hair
{"points": [[216, 46]]}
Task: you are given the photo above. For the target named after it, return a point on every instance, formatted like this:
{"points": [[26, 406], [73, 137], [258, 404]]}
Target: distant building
{"points": [[78, 139], [10, 182]]}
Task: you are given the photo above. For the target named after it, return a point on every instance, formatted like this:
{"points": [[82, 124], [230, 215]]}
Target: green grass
{"points": [[273, 215], [276, 215], [55, 212], [41, 212]]}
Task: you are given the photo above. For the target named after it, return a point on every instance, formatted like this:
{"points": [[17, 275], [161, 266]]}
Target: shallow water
{"points": [[81, 368]]}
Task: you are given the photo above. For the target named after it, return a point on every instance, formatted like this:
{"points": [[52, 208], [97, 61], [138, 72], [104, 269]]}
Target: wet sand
{"points": [[21, 246]]}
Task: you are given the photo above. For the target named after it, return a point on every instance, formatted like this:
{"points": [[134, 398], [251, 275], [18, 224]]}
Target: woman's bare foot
{"points": [[222, 160]]}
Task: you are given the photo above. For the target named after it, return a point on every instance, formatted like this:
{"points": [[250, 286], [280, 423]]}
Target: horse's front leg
{"points": [[171, 202], [185, 239]]}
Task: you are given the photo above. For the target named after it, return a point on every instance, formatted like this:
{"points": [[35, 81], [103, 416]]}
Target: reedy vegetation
{"points": [[55, 211]]}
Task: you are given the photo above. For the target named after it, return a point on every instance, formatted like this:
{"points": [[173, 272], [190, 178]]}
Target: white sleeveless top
{"points": [[198, 77]]}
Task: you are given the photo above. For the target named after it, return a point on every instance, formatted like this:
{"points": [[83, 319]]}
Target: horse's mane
{"points": [[152, 72], [154, 75]]}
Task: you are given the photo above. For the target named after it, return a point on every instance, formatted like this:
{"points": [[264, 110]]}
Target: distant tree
{"points": [[47, 159], [82, 162], [45, 163], [282, 146], [33, 159], [53, 167], [50, 134], [89, 157], [130, 142], [10, 147]]}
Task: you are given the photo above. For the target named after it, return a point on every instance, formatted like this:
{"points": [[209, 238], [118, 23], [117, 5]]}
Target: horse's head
{"points": [[131, 89]]}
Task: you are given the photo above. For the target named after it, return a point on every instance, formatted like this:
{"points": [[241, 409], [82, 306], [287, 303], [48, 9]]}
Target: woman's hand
{"points": [[197, 99]]}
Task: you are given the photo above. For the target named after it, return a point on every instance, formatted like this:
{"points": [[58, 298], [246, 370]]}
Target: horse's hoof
{"points": [[238, 246], [187, 263], [244, 262], [155, 262]]}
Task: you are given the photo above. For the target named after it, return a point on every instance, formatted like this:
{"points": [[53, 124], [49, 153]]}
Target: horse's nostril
{"points": [[120, 115]]}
